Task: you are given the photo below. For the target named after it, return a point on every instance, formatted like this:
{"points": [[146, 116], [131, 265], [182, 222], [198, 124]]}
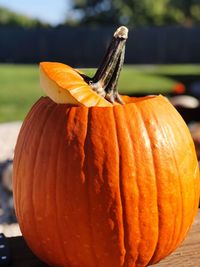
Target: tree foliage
{"points": [[9, 18], [137, 12]]}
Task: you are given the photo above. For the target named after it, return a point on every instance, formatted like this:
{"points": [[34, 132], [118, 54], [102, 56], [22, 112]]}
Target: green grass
{"points": [[136, 80], [19, 85], [19, 89], [171, 69]]}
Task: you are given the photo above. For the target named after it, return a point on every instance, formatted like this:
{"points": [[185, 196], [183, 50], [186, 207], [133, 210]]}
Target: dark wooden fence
{"points": [[85, 46]]}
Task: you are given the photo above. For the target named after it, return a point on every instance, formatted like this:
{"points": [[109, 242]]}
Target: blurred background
{"points": [[162, 56]]}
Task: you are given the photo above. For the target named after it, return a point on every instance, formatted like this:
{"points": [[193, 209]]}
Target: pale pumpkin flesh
{"points": [[63, 84]]}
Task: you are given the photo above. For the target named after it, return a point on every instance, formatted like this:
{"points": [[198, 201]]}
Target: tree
{"points": [[137, 12], [9, 18], [185, 11], [94, 12]]}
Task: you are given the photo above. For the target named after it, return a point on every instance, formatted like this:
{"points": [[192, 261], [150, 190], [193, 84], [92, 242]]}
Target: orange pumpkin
{"points": [[112, 185]]}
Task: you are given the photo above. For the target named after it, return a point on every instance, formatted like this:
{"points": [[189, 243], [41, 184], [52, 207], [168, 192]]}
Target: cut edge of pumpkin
{"points": [[79, 93], [63, 95]]}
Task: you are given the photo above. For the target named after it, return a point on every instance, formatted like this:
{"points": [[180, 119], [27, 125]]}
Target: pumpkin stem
{"points": [[106, 77]]}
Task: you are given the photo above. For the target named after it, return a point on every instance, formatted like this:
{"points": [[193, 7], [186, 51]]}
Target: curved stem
{"points": [[111, 89], [106, 77]]}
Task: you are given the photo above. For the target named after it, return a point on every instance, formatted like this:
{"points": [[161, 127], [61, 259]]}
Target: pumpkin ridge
{"points": [[62, 246], [28, 120], [54, 241], [141, 120], [136, 169], [152, 261], [46, 119], [154, 170], [181, 193], [76, 229], [104, 178], [164, 251], [85, 167], [29, 136], [46, 208], [197, 166], [181, 233], [120, 187], [176, 243], [173, 244], [16, 167]]}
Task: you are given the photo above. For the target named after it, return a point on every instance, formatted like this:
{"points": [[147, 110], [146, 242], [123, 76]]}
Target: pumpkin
{"points": [[100, 179]]}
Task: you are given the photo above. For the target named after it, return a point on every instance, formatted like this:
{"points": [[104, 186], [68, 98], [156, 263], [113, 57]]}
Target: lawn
{"points": [[19, 85], [19, 89]]}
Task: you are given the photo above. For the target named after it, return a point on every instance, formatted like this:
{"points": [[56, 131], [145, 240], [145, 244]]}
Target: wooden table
{"points": [[187, 255]]}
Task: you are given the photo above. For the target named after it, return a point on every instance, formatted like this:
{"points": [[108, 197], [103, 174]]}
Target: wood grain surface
{"points": [[187, 255]]}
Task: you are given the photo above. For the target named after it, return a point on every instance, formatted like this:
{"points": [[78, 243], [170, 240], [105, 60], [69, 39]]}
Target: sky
{"points": [[51, 11]]}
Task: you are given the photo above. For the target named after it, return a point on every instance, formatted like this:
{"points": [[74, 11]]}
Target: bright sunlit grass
{"points": [[137, 80], [19, 89]]}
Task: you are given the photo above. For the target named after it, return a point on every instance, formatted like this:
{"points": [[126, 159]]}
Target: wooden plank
{"points": [[187, 255]]}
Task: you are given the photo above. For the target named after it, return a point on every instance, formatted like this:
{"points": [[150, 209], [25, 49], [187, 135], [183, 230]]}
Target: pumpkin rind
{"points": [[63, 84], [114, 186]]}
